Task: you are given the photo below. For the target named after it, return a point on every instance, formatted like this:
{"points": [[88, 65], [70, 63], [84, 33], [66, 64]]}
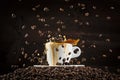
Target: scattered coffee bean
{"points": [[69, 53], [13, 15], [67, 58], [62, 46], [76, 50], [59, 58], [63, 60], [57, 49]]}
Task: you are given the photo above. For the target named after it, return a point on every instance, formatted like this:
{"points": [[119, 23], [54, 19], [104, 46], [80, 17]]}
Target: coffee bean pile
{"points": [[59, 73]]}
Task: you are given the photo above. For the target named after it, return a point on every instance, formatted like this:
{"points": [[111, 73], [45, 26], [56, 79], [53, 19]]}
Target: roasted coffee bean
{"points": [[69, 53], [76, 50], [59, 58], [67, 58], [62, 46], [57, 49], [63, 60], [65, 63]]}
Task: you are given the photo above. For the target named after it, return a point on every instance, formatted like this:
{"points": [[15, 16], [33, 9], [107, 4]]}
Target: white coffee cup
{"points": [[60, 52]]}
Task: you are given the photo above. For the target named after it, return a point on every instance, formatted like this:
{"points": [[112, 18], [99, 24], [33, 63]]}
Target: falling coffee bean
{"points": [[76, 50], [63, 60], [65, 63], [69, 53], [67, 58], [62, 46], [59, 58], [56, 49]]}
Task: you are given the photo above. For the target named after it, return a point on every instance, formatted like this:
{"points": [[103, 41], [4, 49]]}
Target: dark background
{"points": [[99, 39]]}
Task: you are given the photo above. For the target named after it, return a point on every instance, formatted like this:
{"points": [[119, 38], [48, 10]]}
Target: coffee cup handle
{"points": [[76, 51]]}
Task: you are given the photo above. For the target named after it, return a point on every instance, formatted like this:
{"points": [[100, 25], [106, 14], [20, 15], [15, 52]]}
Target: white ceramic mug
{"points": [[60, 52]]}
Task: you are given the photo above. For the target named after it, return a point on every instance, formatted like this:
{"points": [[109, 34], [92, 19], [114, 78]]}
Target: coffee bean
{"points": [[69, 53], [76, 50], [63, 60], [78, 62], [59, 58], [57, 49], [67, 58], [62, 46], [65, 63]]}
